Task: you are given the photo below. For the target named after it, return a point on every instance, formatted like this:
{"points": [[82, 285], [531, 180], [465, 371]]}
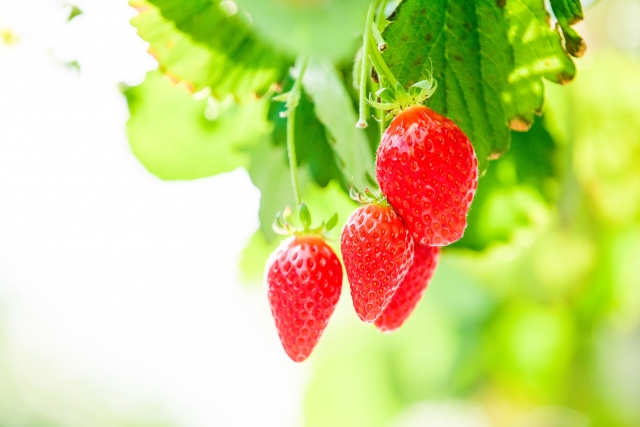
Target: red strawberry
{"points": [[377, 251], [304, 279], [411, 289], [428, 170]]}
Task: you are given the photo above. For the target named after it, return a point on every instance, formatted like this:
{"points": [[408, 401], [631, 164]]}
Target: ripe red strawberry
{"points": [[411, 289], [428, 170], [377, 251], [304, 279]]}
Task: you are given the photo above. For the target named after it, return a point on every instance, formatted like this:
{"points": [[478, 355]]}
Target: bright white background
{"points": [[118, 291]]}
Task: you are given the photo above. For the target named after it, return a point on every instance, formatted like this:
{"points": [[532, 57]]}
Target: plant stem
{"points": [[380, 20], [381, 17], [381, 66], [383, 121], [292, 104], [362, 119]]}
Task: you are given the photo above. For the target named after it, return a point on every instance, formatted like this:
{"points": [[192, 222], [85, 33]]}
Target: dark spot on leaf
{"points": [[575, 46], [573, 20], [501, 3], [564, 78], [495, 155], [428, 37], [457, 57]]}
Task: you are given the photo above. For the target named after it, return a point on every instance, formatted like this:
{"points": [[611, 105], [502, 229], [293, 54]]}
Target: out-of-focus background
{"points": [[122, 304]]}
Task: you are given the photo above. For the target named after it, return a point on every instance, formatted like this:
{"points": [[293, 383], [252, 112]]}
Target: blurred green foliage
{"points": [[171, 133], [515, 193], [327, 28]]}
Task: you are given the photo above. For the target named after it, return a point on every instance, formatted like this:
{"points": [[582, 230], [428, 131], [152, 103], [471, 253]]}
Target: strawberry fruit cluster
{"points": [[428, 174]]}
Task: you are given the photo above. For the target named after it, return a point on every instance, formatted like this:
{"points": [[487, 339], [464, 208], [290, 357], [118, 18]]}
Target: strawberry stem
{"points": [[364, 69], [381, 15], [292, 104], [282, 223], [380, 21], [381, 66], [382, 120]]}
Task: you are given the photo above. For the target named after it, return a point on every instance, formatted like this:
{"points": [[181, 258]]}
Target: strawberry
{"points": [[304, 279], [428, 170], [377, 251], [411, 289]]}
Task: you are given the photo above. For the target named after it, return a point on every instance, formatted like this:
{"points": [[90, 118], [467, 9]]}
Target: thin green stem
{"points": [[382, 121], [380, 20], [364, 69], [381, 66], [292, 104], [381, 17]]}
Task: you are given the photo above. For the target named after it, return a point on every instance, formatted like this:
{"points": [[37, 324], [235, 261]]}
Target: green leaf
{"points": [[327, 28], [334, 108], [534, 156], [568, 13], [305, 215], [199, 42], [537, 53], [170, 133], [488, 60], [333, 221]]}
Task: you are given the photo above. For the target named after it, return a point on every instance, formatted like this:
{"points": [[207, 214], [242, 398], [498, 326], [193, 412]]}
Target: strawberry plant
{"points": [[304, 280], [411, 98]]}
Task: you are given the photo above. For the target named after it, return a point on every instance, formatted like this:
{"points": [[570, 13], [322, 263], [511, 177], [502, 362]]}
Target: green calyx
{"points": [[397, 99], [283, 223], [367, 197]]}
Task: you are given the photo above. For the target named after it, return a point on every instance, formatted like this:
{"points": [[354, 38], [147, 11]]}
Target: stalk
{"points": [[364, 108], [381, 66], [381, 17], [292, 104]]}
